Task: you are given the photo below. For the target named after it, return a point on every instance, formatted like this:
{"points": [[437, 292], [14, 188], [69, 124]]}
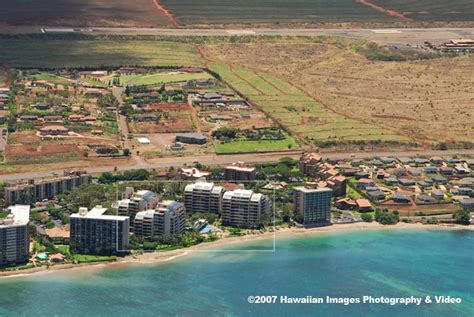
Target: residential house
{"points": [[401, 198], [365, 182], [431, 169], [467, 204], [406, 182], [437, 194], [376, 195], [54, 130]]}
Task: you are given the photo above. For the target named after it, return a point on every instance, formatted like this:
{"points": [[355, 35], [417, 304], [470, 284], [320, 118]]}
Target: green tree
{"points": [[386, 218], [367, 217], [462, 216], [89, 196]]}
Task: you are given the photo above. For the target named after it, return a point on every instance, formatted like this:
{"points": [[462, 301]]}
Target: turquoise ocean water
{"points": [[391, 263]]}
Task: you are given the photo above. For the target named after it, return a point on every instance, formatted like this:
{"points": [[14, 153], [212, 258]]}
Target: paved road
{"points": [[227, 159], [384, 36]]}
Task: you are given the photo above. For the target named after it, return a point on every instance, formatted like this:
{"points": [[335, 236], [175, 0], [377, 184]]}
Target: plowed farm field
{"points": [[112, 13]]}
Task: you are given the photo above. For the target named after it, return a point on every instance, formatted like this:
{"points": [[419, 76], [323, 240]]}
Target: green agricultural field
{"points": [[49, 77], [431, 10], [96, 53], [248, 146], [265, 11], [300, 114]]}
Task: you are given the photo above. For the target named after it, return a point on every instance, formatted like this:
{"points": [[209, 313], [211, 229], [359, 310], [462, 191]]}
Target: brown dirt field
{"points": [[24, 137], [47, 153], [111, 13], [410, 210], [171, 125], [41, 150], [160, 143], [428, 100], [90, 162]]}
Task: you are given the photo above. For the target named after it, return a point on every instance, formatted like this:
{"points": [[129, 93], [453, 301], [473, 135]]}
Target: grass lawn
{"points": [[83, 258], [64, 249], [96, 53], [352, 193], [50, 77], [245, 146]]}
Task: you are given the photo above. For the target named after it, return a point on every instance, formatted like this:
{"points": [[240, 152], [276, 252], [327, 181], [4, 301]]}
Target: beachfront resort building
{"points": [[94, 232], [239, 172], [244, 208], [168, 219], [312, 206], [37, 190], [203, 197], [14, 238], [133, 202]]}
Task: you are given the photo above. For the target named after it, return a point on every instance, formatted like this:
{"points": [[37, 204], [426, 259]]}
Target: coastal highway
{"points": [[393, 36], [214, 160]]}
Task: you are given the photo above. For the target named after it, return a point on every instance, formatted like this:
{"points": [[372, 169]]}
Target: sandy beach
{"points": [[222, 244]]}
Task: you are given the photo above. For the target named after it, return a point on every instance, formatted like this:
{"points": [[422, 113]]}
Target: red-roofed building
{"points": [[363, 205], [54, 130], [239, 172], [309, 162]]}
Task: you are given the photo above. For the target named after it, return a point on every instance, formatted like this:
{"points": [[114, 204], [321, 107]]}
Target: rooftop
{"points": [[19, 215], [97, 213], [192, 135], [313, 190]]}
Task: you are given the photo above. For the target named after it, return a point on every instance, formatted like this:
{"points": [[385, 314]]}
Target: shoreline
{"points": [[213, 247]]}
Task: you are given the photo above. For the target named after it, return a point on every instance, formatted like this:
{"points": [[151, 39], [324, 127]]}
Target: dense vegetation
{"points": [[386, 218]]}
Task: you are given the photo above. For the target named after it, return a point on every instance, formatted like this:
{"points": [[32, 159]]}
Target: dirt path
{"points": [[165, 12], [195, 119], [389, 12], [122, 120]]}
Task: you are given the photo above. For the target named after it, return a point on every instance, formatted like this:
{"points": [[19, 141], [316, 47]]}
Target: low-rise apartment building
{"points": [[309, 163], [239, 172], [37, 190]]}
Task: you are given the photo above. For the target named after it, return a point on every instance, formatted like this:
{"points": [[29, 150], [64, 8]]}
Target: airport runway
{"points": [[412, 36]]}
